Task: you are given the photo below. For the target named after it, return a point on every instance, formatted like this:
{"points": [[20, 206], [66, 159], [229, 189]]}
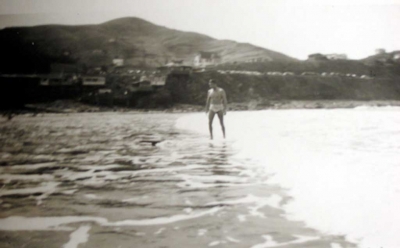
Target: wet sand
{"points": [[96, 180]]}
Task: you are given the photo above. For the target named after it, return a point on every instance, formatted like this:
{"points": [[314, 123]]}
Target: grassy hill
{"points": [[32, 49], [382, 58]]}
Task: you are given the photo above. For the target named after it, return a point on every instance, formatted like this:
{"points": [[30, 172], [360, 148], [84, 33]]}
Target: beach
{"points": [[156, 180]]}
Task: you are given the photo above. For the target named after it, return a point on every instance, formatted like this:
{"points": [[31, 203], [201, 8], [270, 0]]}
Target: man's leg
{"points": [[211, 115], [221, 121]]}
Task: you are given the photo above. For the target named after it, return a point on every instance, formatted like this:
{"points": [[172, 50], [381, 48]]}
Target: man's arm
{"points": [[208, 102], [225, 101]]}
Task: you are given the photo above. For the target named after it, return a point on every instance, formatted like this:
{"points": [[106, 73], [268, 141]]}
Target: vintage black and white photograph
{"points": [[199, 123]]}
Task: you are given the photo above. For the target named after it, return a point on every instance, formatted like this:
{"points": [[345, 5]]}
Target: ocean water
{"points": [[282, 178], [341, 167]]}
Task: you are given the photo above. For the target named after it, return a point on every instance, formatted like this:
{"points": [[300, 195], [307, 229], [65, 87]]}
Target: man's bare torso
{"points": [[216, 96]]}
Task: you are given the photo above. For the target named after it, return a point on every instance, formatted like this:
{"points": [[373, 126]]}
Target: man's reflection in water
{"points": [[218, 158], [219, 162]]}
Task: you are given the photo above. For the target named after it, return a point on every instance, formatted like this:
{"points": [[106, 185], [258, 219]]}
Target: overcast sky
{"points": [[294, 27]]}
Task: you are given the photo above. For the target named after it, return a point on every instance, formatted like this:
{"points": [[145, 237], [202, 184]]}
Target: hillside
{"points": [[32, 49], [338, 66]]}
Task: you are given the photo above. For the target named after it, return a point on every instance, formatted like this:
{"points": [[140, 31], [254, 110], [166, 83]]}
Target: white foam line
{"points": [[164, 220], [160, 231], [169, 169], [17, 223], [200, 185], [232, 239], [69, 192], [271, 243], [201, 232], [80, 236], [34, 178], [29, 166], [213, 178], [188, 210], [203, 182], [99, 167], [242, 218], [92, 196], [214, 243], [104, 174], [188, 202], [47, 187], [72, 176], [46, 190], [52, 188], [247, 199], [272, 201], [135, 199], [101, 171]]}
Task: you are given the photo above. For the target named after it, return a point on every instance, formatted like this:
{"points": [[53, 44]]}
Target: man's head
{"points": [[212, 83]]}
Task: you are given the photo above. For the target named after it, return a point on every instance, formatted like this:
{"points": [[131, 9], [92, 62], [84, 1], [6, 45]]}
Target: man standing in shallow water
{"points": [[216, 104]]}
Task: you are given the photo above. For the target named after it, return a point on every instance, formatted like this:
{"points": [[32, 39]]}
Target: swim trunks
{"points": [[216, 107]]}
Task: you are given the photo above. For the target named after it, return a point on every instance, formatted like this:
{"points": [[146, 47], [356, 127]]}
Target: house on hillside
{"points": [[380, 51], [203, 59], [155, 80], [317, 56], [396, 56], [175, 62], [118, 62], [335, 56], [158, 80], [105, 91], [93, 81]]}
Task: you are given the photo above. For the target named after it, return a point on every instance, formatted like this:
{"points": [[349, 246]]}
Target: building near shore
{"points": [[204, 59], [380, 51], [396, 56], [336, 56], [317, 56], [176, 62], [118, 62], [93, 81]]}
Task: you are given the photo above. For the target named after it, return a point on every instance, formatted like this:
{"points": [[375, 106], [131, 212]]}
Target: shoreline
{"points": [[316, 104], [68, 106]]}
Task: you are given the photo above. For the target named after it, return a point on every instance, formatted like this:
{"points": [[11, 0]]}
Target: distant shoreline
{"points": [[326, 104], [68, 106]]}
